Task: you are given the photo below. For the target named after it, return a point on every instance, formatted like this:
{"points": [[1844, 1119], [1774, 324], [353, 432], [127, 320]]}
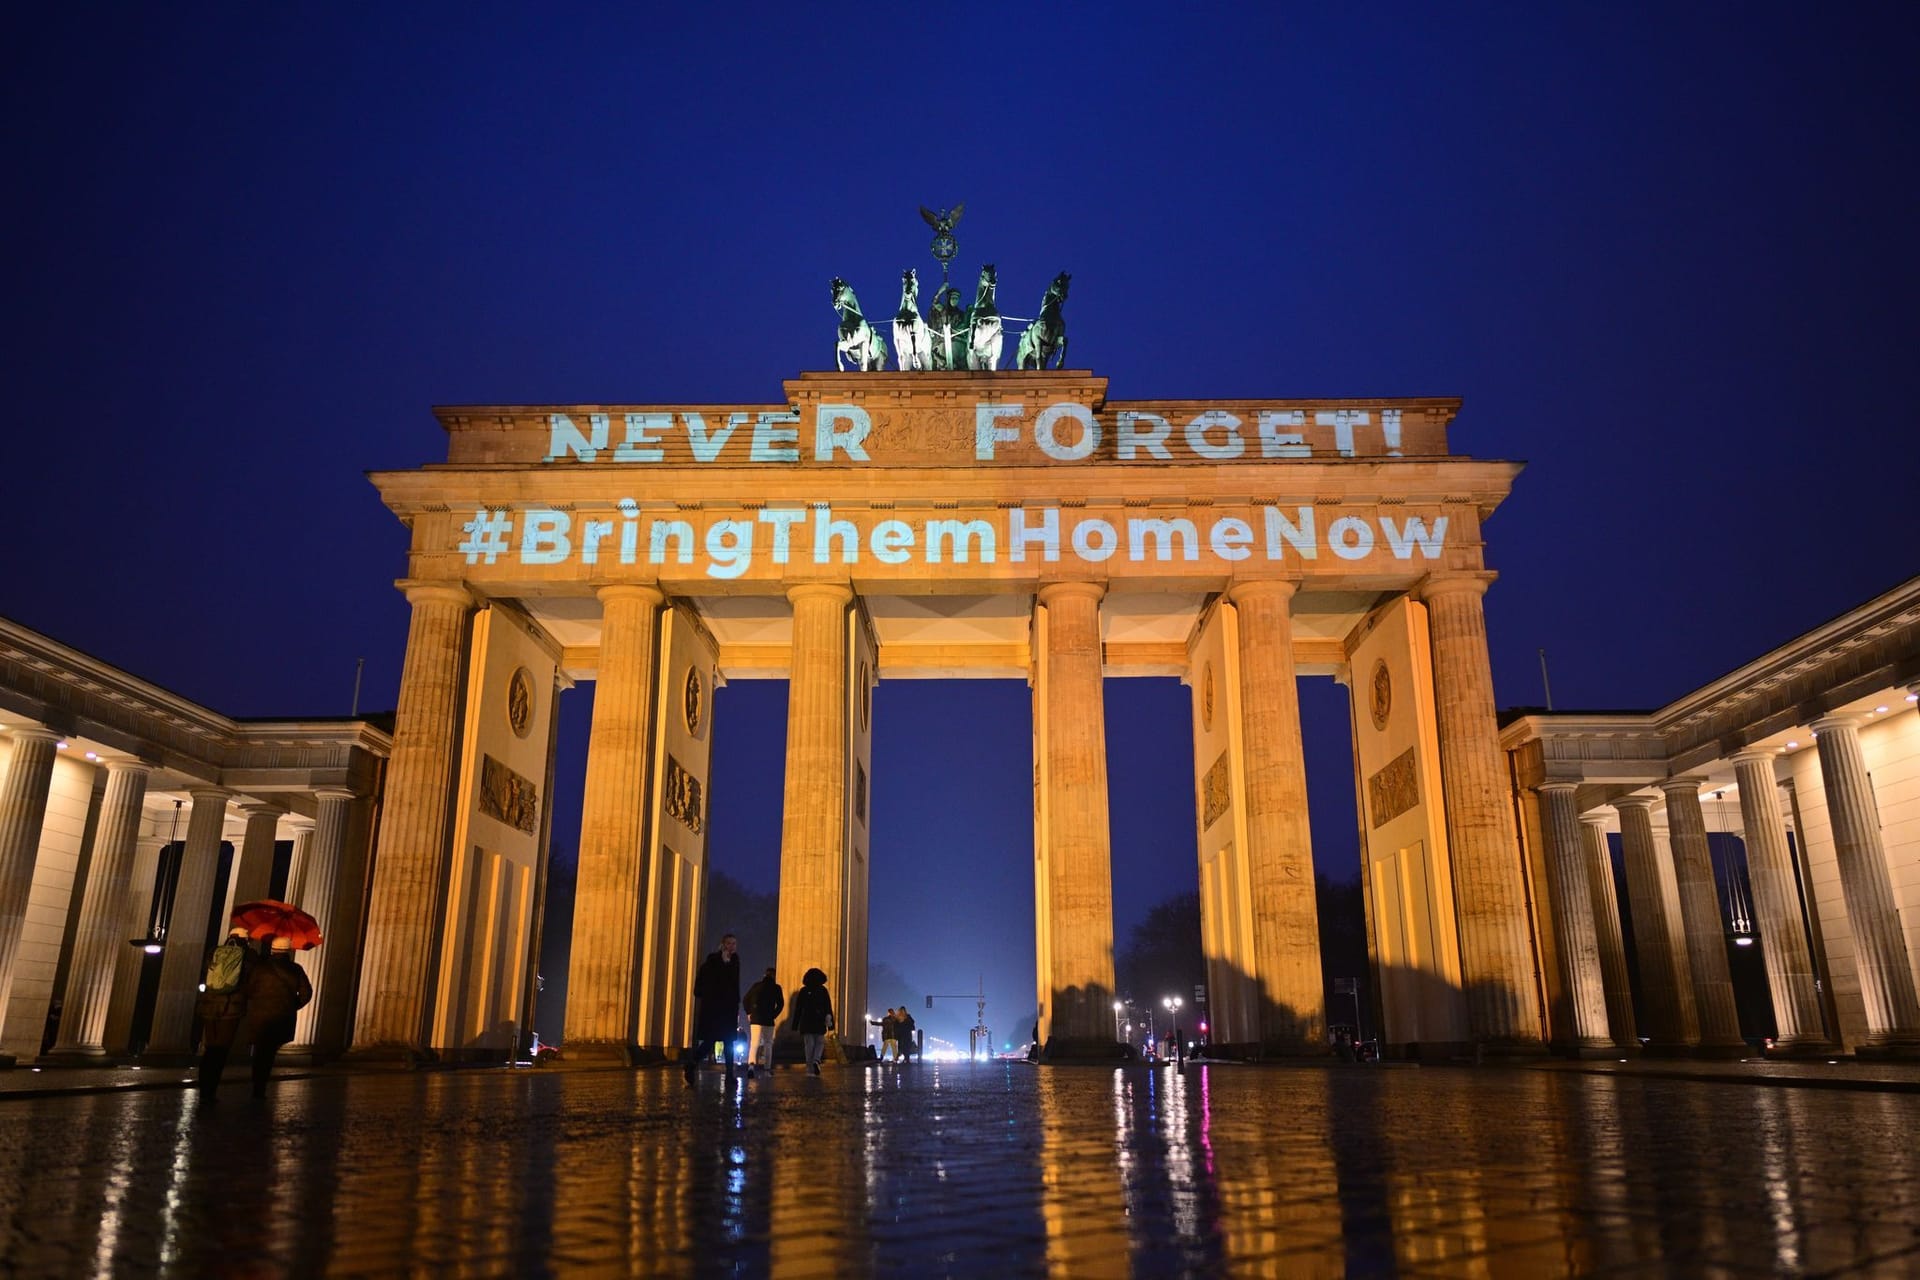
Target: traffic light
{"points": [[929, 1002], [1203, 1028]]}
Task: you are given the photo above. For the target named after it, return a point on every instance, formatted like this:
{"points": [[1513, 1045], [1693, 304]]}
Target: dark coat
{"points": [[888, 1028], [812, 1006], [716, 991], [277, 989], [903, 1032], [763, 1003]]}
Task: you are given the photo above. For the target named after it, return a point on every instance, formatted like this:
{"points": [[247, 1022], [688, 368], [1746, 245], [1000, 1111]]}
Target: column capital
{"points": [[259, 809], [1258, 587], [208, 793], [838, 592], [300, 822], [1754, 755], [1634, 802], [1058, 590], [644, 592], [34, 733], [1685, 785], [1594, 818], [334, 793], [1438, 585], [1828, 723], [127, 766], [420, 591], [1556, 784]]}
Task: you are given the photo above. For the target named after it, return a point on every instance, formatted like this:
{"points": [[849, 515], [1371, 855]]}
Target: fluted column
{"points": [[132, 961], [185, 960], [403, 906], [1496, 953], [1078, 856], [1776, 904], [1606, 933], [1666, 982], [106, 923], [1880, 949], [253, 873], [813, 815], [1700, 916], [612, 885], [23, 810], [1573, 927], [1286, 925], [319, 897]]}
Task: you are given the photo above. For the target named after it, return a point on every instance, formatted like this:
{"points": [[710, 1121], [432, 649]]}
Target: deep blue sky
{"points": [[1666, 258]]}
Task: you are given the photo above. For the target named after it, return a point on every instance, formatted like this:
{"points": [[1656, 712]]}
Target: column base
{"points": [[1587, 1048], [601, 1055], [1803, 1047], [393, 1056], [1725, 1052], [1905, 1046], [74, 1058], [1085, 1049]]}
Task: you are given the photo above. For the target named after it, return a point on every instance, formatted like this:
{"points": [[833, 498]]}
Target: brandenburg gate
{"points": [[873, 525]]}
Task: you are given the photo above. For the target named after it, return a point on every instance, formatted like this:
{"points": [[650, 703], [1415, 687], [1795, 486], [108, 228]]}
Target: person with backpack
{"points": [[276, 990], [813, 1015], [221, 1005], [763, 1002]]}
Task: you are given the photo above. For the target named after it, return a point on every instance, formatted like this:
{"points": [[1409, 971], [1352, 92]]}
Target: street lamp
{"points": [[1172, 1005], [1117, 1007]]}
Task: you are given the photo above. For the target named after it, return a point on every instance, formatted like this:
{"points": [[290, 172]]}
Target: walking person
{"points": [[889, 1032], [716, 1005], [222, 1004], [277, 989], [903, 1030], [763, 1002], [813, 1015]]}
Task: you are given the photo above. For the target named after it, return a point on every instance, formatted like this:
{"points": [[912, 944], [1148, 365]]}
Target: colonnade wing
{"points": [[1406, 868], [497, 838], [670, 938], [863, 659], [1226, 910]]}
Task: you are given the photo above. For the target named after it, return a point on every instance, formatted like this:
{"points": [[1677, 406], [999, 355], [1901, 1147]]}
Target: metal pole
{"points": [[1544, 682], [359, 667]]}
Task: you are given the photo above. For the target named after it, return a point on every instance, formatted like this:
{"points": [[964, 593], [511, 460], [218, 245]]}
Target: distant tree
{"points": [[1163, 956], [1343, 943], [752, 917]]}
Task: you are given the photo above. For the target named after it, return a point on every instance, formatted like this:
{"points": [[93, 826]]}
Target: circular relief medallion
{"points": [[1380, 694], [695, 700], [1206, 698], [866, 697], [520, 702]]}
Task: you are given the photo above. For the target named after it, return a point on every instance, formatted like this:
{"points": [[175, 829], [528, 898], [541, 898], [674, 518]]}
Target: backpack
{"points": [[226, 967]]}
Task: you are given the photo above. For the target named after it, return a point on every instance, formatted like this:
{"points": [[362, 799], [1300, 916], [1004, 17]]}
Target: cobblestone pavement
{"points": [[990, 1170]]}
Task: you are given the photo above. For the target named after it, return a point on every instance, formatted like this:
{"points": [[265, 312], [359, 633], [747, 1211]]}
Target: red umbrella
{"points": [[280, 920]]}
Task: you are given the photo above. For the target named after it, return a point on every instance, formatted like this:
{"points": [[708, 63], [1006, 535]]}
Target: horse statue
{"points": [[911, 347], [948, 324], [1046, 337], [859, 341], [984, 334]]}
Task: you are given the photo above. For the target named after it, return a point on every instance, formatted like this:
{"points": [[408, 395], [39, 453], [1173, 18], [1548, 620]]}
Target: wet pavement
{"points": [[991, 1169]]}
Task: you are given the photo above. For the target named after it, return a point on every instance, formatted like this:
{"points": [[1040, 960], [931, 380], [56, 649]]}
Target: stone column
{"points": [[23, 809], [813, 815], [1496, 952], [1700, 915], [1079, 853], [106, 923], [132, 961], [409, 870], [319, 892], [612, 883], [185, 961], [253, 871], [1666, 981], [1279, 857], [1573, 924], [1606, 932], [297, 864], [1776, 904], [1880, 949]]}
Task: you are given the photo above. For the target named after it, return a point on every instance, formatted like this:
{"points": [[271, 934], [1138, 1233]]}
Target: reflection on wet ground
{"points": [[990, 1169]]}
